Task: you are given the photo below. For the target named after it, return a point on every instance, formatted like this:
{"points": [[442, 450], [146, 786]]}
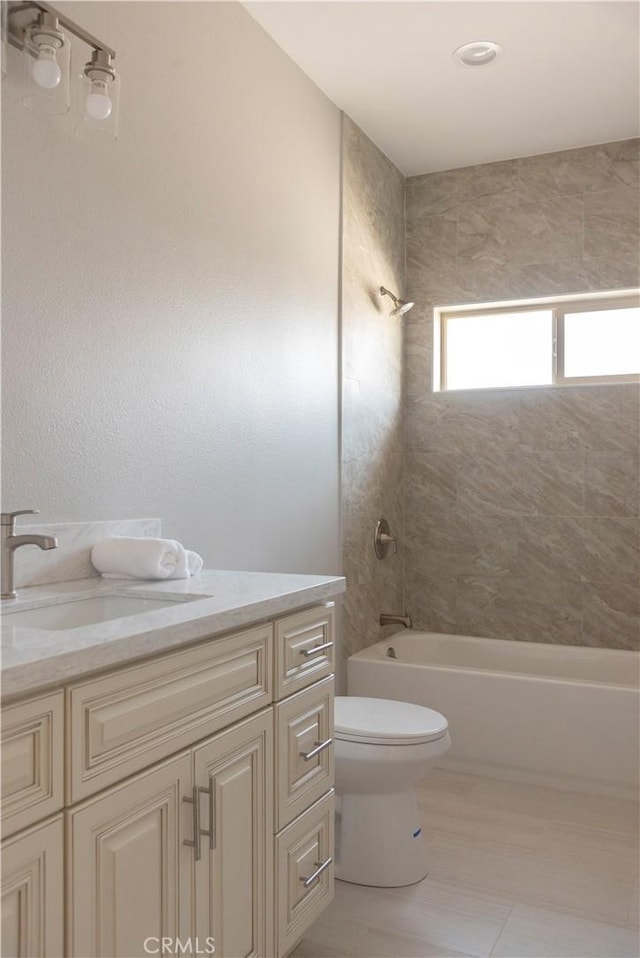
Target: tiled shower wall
{"points": [[372, 459], [521, 506]]}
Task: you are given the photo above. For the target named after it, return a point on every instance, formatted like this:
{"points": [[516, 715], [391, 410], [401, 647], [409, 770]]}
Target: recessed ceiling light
{"points": [[478, 53]]}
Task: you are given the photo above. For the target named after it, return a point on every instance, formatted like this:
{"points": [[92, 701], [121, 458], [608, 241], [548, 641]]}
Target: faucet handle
{"points": [[9, 518]]}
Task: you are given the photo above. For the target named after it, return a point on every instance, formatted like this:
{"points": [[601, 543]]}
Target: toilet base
{"points": [[379, 840]]}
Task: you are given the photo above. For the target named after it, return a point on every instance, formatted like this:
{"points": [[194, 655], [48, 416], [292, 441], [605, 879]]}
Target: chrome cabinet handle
{"points": [[198, 831], [195, 802], [211, 792], [319, 747], [319, 870], [316, 649]]}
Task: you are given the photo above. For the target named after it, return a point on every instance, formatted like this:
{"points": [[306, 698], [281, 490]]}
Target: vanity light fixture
{"points": [[478, 53], [41, 32]]}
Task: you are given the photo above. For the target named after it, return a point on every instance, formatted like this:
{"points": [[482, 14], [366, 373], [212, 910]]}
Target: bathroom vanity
{"points": [[182, 793]]}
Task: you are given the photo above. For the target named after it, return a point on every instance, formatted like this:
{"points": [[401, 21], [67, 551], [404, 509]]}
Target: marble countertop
{"points": [[35, 659]]}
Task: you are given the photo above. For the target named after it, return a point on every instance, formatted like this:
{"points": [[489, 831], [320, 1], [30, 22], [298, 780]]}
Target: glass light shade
{"points": [[98, 108], [46, 73]]}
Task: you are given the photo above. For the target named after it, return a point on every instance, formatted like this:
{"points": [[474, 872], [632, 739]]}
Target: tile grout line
{"points": [[495, 944]]}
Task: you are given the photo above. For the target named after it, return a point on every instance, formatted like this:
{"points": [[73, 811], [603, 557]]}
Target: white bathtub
{"points": [[565, 716]]}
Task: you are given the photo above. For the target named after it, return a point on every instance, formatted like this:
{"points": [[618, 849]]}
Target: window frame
{"points": [[559, 308]]}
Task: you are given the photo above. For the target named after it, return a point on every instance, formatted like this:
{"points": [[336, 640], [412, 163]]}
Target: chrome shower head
{"points": [[400, 306]]}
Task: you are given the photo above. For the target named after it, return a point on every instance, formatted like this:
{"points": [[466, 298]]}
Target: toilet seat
{"points": [[374, 721]]}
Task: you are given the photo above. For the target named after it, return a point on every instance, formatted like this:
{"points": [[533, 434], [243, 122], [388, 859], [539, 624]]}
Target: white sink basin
{"points": [[79, 612]]}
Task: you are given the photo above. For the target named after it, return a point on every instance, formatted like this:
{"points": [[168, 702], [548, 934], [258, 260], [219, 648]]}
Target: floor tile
{"points": [[557, 805], [385, 911], [493, 838], [542, 933], [633, 917], [337, 930], [530, 877], [515, 871], [311, 949], [387, 944], [467, 901]]}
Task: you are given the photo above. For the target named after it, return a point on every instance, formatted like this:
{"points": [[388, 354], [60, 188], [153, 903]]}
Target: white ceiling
{"points": [[569, 74]]}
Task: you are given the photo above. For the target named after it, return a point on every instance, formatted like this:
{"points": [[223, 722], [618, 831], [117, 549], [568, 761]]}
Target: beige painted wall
{"points": [[373, 256], [521, 506], [170, 302]]}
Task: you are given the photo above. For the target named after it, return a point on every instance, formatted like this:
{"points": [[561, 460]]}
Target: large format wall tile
{"points": [[373, 198], [521, 506], [458, 544], [575, 172], [611, 609], [611, 223], [595, 418], [464, 421], [372, 384], [532, 610], [510, 481], [584, 549], [611, 484]]}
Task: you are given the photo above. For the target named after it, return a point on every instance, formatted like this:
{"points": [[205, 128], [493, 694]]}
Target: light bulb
{"points": [[99, 103], [45, 69]]}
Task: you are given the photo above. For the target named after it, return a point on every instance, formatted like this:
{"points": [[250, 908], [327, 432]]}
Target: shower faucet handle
{"points": [[382, 539], [387, 540]]}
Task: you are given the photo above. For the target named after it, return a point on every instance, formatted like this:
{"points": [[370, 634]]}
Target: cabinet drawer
{"points": [[301, 851], [32, 761], [305, 649], [304, 724], [125, 721]]}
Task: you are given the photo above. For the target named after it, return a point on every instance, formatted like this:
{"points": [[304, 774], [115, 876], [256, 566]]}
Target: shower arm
{"points": [[387, 292]]}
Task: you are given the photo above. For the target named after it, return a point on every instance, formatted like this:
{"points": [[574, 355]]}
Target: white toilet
{"points": [[382, 750]]}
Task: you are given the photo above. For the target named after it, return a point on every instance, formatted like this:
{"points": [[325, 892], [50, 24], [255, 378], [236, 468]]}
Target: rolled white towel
{"points": [[194, 562], [138, 558]]}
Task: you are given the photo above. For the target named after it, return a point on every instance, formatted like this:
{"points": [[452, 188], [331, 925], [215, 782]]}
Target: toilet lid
{"points": [[384, 722]]}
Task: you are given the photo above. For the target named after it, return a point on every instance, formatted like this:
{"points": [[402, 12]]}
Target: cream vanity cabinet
{"points": [[197, 801]]}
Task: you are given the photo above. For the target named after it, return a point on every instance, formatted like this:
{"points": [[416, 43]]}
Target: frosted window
{"points": [[500, 349], [602, 343]]}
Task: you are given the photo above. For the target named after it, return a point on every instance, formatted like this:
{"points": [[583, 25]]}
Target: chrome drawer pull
{"points": [[319, 870], [319, 747], [316, 649]]}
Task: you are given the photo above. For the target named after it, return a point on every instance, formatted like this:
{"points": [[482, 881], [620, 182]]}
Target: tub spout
{"points": [[387, 618]]}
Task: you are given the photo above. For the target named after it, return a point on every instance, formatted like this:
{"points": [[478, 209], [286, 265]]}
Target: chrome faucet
{"points": [[10, 542]]}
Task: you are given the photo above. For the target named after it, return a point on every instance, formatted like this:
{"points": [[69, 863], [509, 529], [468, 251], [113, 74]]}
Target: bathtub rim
{"points": [[371, 658], [366, 653]]}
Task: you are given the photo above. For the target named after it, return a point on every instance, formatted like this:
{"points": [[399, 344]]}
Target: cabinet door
{"points": [[32, 880], [234, 892], [129, 869]]}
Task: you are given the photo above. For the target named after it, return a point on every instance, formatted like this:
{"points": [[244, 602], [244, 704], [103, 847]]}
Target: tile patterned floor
{"points": [[515, 871]]}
